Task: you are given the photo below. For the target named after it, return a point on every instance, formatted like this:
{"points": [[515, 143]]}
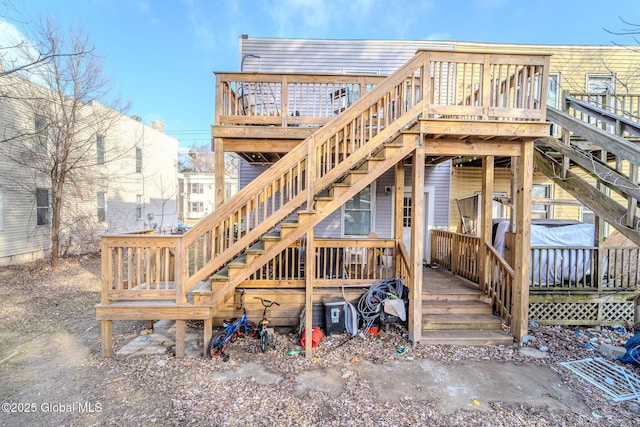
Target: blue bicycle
{"points": [[233, 329]]}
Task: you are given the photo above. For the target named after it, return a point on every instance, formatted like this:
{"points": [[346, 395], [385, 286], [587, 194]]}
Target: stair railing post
{"points": [[310, 172]]}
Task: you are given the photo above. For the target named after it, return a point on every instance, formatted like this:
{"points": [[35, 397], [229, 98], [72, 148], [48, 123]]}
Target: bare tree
{"points": [[59, 149], [203, 160]]}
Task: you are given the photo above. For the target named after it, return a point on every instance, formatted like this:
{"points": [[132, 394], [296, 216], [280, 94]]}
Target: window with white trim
{"points": [[101, 150], [138, 160], [540, 191], [43, 206], [357, 213], [41, 134], [102, 206]]}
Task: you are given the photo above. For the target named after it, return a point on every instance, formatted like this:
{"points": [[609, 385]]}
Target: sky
{"points": [[161, 54]]}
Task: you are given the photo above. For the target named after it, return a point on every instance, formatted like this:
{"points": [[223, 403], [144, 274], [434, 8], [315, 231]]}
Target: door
{"points": [[428, 221]]}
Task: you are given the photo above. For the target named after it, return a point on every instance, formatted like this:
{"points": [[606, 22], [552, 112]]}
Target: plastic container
{"points": [[334, 315], [316, 337]]}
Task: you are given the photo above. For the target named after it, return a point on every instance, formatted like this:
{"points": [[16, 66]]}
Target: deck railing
{"points": [[287, 99], [457, 252], [339, 262], [461, 85], [568, 272]]}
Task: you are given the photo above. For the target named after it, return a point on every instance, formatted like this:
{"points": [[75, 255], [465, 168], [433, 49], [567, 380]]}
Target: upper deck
{"points": [[468, 96]]}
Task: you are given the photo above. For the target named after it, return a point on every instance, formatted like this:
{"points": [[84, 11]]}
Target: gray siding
{"points": [[330, 56]]}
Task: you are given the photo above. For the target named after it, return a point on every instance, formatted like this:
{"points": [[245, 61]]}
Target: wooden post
{"points": [[486, 222], [398, 215], [310, 175], [106, 332], [208, 332], [522, 250], [180, 341], [417, 246], [309, 275], [218, 153]]}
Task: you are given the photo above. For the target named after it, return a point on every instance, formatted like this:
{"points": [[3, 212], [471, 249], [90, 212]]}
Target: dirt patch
{"points": [[52, 373]]}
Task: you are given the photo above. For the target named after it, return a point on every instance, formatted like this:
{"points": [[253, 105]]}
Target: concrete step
{"points": [[456, 307], [461, 321], [467, 338]]}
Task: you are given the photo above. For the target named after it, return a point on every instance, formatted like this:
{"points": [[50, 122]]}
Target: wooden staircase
{"points": [[459, 313], [279, 238]]}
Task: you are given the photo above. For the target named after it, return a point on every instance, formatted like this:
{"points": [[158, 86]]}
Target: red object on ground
{"points": [[316, 336]]}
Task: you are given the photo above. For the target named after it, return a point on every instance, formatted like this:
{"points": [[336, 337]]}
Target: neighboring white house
{"points": [[197, 194], [131, 180]]}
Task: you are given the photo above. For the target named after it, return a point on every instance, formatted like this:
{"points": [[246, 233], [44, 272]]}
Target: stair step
{"points": [[221, 276], [456, 307], [461, 321], [239, 262], [289, 224], [468, 338], [256, 249], [457, 296], [272, 236]]}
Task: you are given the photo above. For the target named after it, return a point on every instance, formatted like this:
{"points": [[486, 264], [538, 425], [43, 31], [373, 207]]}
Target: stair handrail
{"points": [[378, 100], [622, 123]]}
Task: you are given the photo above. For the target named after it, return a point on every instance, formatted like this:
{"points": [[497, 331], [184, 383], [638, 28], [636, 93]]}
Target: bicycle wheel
{"points": [[217, 344], [252, 329], [264, 340]]}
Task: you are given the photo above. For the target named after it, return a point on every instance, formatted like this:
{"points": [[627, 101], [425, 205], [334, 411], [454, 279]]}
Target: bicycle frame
{"points": [[230, 333]]}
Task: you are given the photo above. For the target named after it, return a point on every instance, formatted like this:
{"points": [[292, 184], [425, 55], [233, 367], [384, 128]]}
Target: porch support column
{"points": [[486, 220], [417, 246], [398, 215], [309, 275], [218, 153], [522, 250]]}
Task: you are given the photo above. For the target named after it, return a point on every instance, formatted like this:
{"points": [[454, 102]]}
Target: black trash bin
{"points": [[333, 315]]}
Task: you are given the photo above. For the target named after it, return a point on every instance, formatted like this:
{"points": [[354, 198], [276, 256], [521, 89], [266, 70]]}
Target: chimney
{"points": [[157, 125]]}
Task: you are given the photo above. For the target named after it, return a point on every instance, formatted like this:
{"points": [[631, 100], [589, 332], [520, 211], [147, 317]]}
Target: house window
{"points": [[102, 206], [540, 191], [139, 207], [358, 213], [138, 160], [406, 212], [197, 188], [41, 134], [197, 206], [43, 206], [600, 83], [587, 215], [100, 148]]}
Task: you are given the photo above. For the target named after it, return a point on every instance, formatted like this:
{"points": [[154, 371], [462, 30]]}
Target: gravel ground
{"points": [[49, 360]]}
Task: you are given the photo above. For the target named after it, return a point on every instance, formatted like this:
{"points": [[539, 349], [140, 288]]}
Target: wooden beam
{"points": [[456, 148], [417, 246], [262, 132], [398, 213], [254, 145], [522, 250], [484, 128], [218, 153], [486, 222], [310, 274]]}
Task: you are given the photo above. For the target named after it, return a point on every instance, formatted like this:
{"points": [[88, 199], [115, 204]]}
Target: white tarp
{"points": [[555, 266]]}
